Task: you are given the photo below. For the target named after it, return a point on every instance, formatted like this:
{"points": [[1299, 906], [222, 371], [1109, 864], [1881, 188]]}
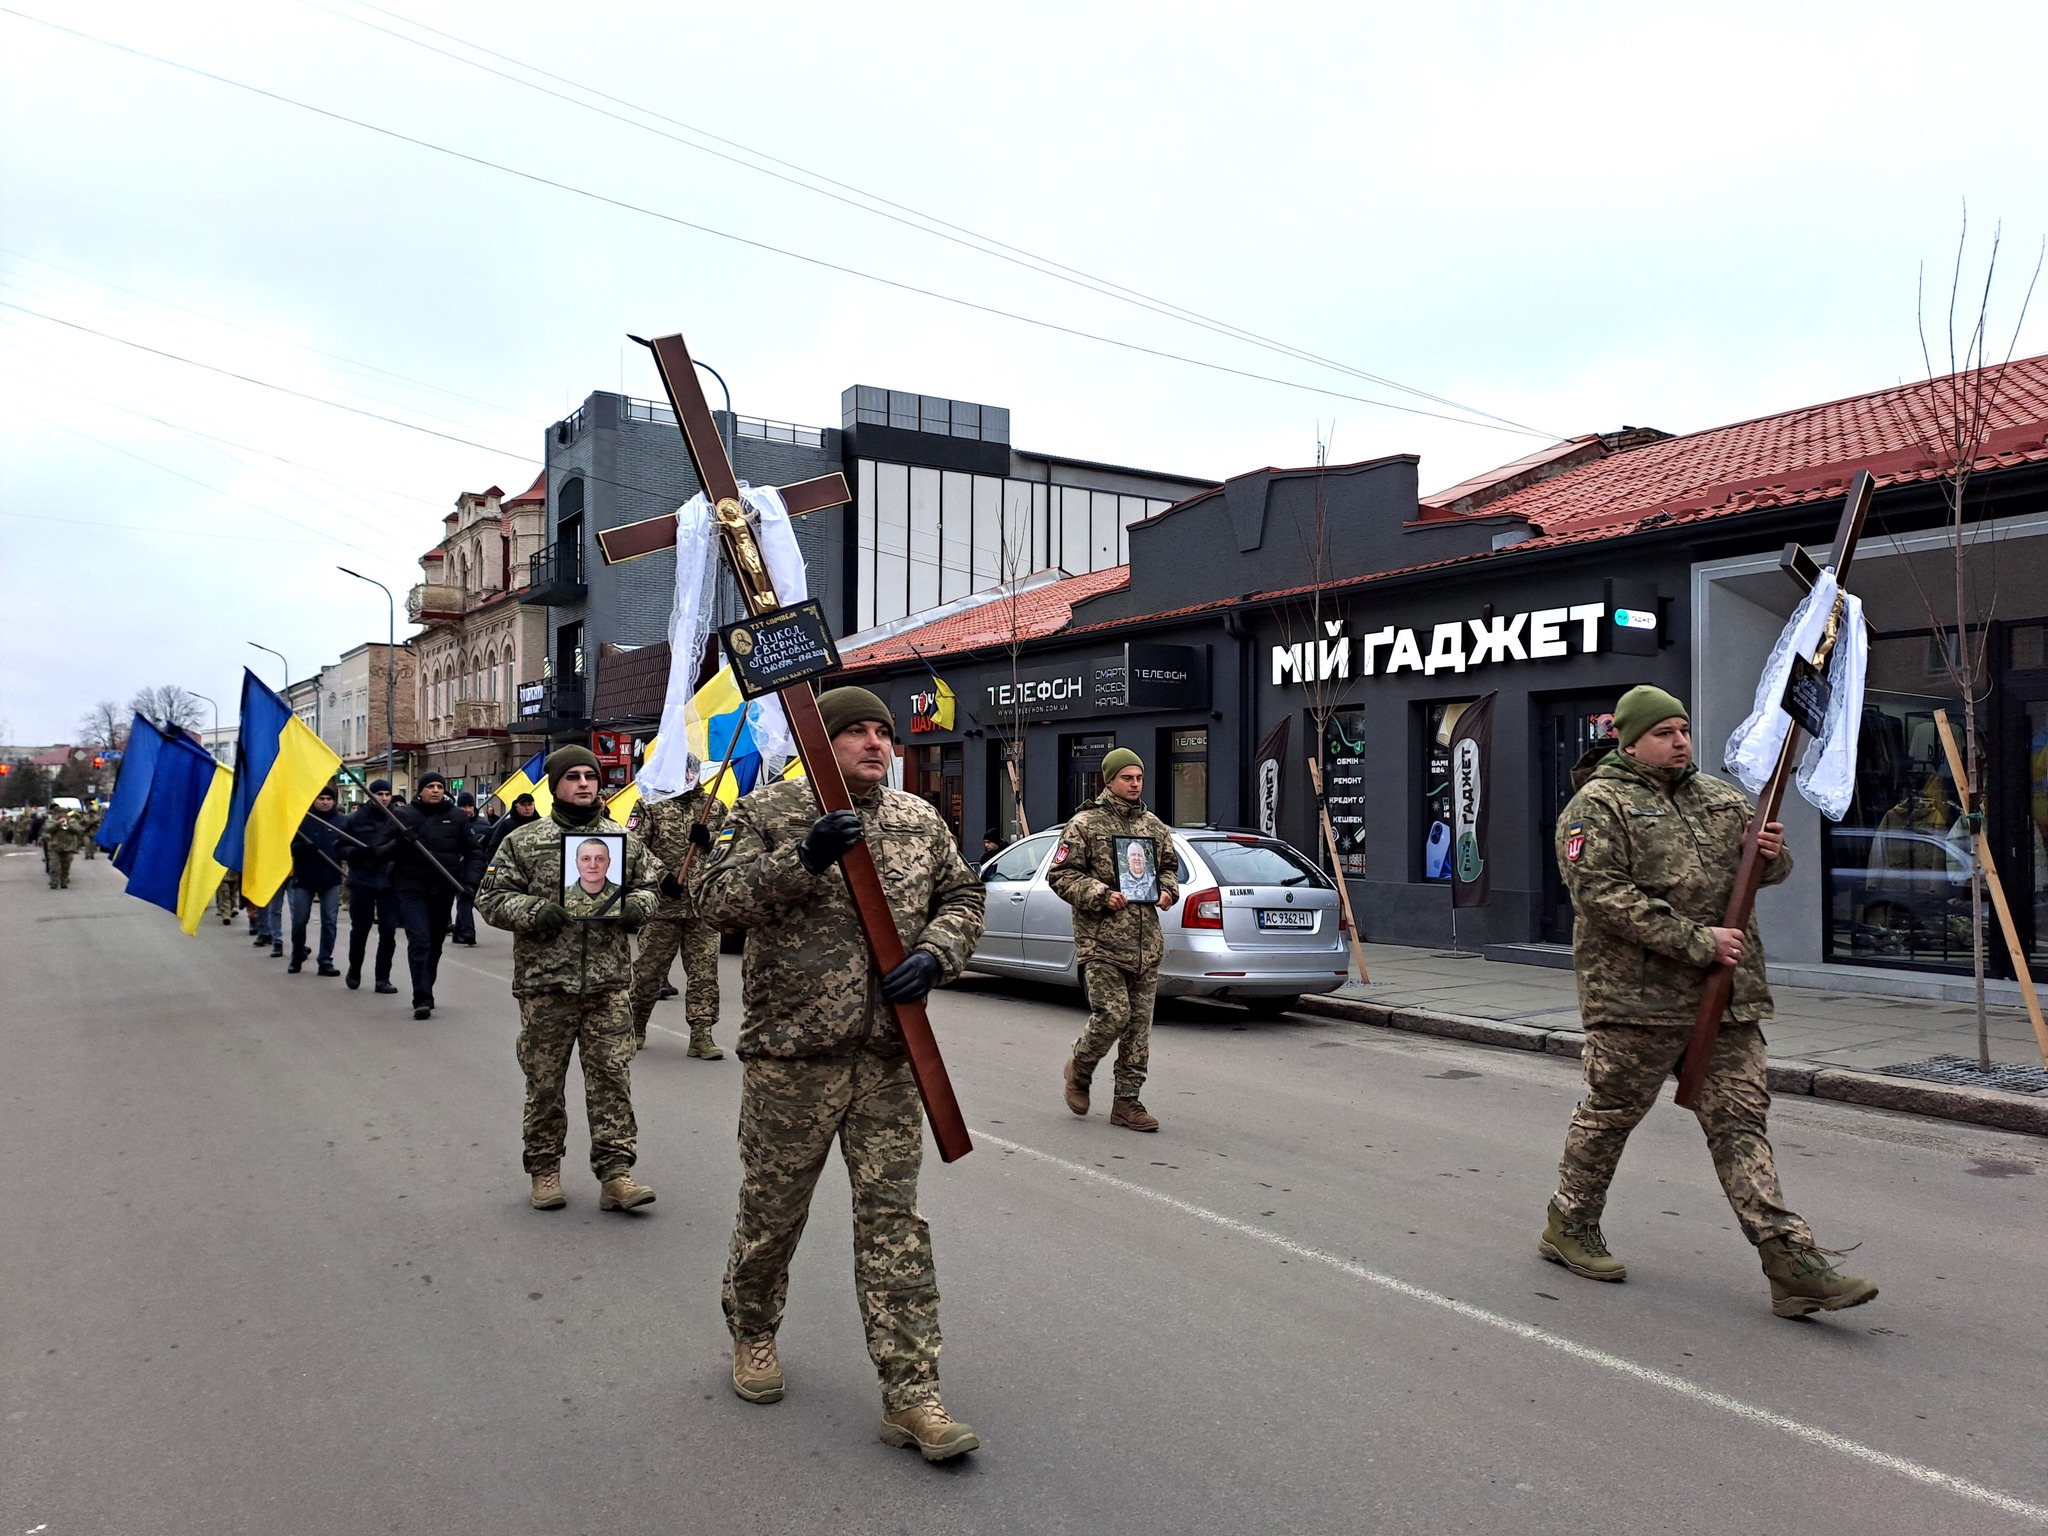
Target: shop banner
{"points": [[1471, 807], [1268, 774]]}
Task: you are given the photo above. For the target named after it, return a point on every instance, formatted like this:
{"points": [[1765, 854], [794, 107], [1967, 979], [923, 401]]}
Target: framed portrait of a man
{"points": [[1137, 870], [591, 867]]}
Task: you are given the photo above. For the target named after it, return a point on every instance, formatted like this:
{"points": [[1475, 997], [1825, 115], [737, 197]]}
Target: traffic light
{"points": [[6, 769], [98, 761]]}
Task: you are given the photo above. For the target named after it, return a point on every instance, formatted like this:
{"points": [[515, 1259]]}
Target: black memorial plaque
{"points": [[780, 648], [1807, 692]]}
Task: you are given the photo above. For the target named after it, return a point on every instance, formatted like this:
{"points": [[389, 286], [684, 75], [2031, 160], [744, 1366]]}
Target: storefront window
{"points": [[1438, 721], [1898, 863], [938, 774], [1344, 788], [1185, 797], [1081, 762]]}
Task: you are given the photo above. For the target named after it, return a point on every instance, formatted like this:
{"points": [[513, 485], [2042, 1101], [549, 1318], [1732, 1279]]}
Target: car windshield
{"points": [[1019, 861], [1265, 862]]}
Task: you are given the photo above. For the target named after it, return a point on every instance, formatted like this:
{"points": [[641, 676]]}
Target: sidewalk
{"points": [[1831, 1044]]}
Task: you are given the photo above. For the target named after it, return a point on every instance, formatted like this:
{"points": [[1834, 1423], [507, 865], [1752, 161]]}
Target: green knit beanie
{"points": [[1117, 759], [562, 759], [842, 707], [1643, 707]]}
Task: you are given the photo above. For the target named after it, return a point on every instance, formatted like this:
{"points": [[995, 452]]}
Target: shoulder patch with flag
{"points": [[1060, 857], [1574, 841]]}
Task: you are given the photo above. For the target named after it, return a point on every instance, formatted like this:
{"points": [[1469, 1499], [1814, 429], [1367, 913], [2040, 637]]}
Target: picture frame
{"points": [[1137, 870], [592, 866]]}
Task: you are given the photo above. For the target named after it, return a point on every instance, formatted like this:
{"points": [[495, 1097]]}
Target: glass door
{"points": [[1568, 728]]}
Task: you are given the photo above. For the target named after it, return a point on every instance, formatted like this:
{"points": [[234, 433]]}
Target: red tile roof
{"points": [[1030, 616], [1783, 459], [535, 494]]}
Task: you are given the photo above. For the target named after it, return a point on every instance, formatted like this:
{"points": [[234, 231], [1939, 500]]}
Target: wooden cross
{"points": [[1749, 874], [799, 703]]}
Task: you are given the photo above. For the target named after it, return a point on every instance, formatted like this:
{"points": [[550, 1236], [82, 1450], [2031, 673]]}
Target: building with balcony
{"points": [[479, 636]]}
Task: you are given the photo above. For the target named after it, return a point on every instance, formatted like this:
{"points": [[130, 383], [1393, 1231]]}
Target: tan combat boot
{"points": [[1132, 1115], [1077, 1090], [703, 1047], [622, 1194], [936, 1433], [547, 1191], [1579, 1247], [756, 1370], [1803, 1280]]}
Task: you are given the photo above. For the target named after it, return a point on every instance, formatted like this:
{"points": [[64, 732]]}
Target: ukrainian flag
{"points": [[168, 853], [718, 733], [281, 765], [531, 779], [131, 785]]}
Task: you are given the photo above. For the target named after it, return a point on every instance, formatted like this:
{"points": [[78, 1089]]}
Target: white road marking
{"points": [[1933, 1477]]}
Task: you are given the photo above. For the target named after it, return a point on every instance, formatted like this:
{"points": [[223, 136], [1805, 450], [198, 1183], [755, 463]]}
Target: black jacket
{"points": [[440, 834], [315, 852], [368, 870], [503, 828]]}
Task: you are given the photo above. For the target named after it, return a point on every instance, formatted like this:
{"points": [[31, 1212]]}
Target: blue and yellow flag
{"points": [[531, 779], [131, 785], [168, 854], [280, 766]]}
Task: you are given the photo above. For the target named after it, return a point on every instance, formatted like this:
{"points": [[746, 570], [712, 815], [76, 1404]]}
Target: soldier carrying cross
{"points": [[856, 904]]}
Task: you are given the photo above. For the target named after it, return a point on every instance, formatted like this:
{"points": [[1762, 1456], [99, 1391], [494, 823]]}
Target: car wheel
{"points": [[1269, 1007]]}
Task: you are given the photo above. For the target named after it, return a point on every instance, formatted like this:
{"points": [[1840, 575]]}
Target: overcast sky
{"points": [[1570, 217]]}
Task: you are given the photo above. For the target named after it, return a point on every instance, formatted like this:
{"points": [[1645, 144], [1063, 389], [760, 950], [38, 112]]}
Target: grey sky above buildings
{"points": [[1569, 217]]}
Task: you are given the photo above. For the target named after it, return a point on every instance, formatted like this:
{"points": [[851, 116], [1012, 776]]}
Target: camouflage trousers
{"points": [[59, 862], [599, 1028], [658, 943], [1120, 1015], [1625, 1066], [790, 1113], [227, 896]]}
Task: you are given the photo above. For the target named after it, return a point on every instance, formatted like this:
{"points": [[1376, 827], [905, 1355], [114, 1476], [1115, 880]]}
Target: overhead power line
{"points": [[877, 205], [753, 244]]}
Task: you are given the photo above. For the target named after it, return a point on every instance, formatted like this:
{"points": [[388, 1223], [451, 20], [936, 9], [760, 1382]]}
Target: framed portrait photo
{"points": [[1137, 870], [592, 866]]}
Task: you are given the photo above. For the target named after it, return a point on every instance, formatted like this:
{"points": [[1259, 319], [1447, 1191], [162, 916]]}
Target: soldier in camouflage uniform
{"points": [[1649, 847], [61, 839], [89, 824], [824, 1058], [227, 896], [668, 826], [571, 980], [1116, 940]]}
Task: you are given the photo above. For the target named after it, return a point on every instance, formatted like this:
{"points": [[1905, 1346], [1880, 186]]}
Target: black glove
{"points": [[549, 917], [671, 887], [917, 975], [828, 840], [700, 835], [629, 920]]}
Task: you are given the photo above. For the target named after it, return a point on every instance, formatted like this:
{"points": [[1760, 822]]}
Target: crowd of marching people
{"points": [[409, 868]]}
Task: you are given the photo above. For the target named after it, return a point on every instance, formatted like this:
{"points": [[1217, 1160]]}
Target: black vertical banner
{"points": [[1269, 773], [1472, 804]]}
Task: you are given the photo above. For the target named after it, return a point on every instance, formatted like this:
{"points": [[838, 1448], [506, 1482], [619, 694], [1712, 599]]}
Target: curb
{"points": [[1972, 1106]]}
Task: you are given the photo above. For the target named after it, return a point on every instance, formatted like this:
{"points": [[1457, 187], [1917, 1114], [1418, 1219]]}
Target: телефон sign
{"points": [[1166, 677], [776, 650]]}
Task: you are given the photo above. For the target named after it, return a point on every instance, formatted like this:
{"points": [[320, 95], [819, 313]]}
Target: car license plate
{"points": [[1286, 918]]}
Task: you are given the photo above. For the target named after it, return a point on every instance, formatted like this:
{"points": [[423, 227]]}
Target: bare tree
{"points": [[167, 704], [1961, 409], [105, 725]]}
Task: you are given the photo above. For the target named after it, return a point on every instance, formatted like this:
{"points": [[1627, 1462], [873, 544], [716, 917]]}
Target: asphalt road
{"points": [[267, 1267]]}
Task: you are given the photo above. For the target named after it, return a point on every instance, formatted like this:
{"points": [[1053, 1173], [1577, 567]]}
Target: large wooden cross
{"points": [[1749, 874], [800, 703]]}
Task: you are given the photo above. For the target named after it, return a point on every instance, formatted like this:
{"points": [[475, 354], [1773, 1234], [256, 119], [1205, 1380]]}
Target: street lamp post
{"points": [[288, 684], [390, 667], [202, 698]]}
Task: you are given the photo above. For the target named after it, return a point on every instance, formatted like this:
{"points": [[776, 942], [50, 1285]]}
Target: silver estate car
{"points": [[1257, 922]]}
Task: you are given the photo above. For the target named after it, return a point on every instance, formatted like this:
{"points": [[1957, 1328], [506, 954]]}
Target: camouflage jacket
{"points": [[810, 985], [579, 958], [665, 827], [63, 834], [1085, 873], [1649, 856]]}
